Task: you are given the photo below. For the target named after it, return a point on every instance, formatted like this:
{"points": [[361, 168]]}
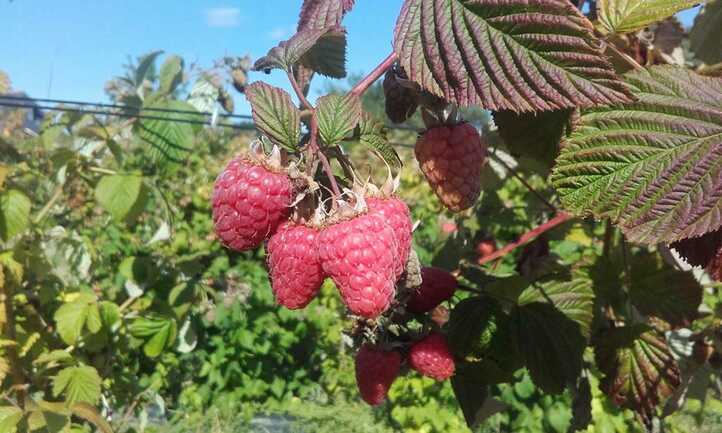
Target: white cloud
{"points": [[223, 17]]}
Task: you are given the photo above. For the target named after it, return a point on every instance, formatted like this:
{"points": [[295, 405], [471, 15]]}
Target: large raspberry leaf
{"points": [[624, 16], [338, 115], [14, 213], [652, 166], [322, 13], [551, 345], [372, 134], [706, 33], [572, 295], [80, 383], [639, 370], [274, 114], [519, 55], [662, 291], [170, 140], [124, 196], [323, 50]]}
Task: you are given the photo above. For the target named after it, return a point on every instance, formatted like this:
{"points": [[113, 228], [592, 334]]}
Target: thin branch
{"points": [[527, 237], [44, 211], [297, 88], [368, 80], [324, 161], [523, 181]]}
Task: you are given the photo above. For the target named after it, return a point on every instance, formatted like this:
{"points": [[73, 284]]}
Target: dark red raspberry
{"points": [[397, 215], [431, 357], [376, 370], [451, 158], [249, 202], [359, 255], [437, 286], [293, 264]]}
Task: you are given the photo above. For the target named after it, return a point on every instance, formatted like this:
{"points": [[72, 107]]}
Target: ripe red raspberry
{"points": [[451, 158], [249, 202], [376, 370], [431, 357], [437, 286], [359, 255], [293, 264], [396, 214]]}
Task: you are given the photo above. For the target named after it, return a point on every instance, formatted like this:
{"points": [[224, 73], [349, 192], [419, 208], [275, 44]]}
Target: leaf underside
{"points": [[654, 166], [372, 134], [337, 117], [624, 16], [638, 367], [518, 55]]}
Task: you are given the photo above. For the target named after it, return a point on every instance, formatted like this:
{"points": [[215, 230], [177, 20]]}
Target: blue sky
{"points": [[82, 43]]}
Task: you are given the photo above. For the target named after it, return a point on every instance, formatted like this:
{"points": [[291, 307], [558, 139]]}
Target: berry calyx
{"points": [[431, 357], [294, 266], [437, 286], [249, 202], [451, 158], [376, 370], [359, 254]]}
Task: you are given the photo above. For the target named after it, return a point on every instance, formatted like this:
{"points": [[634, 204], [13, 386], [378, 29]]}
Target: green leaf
{"points": [[626, 16], [91, 414], [706, 33], [73, 316], [517, 55], [10, 417], [124, 196], [162, 333], [372, 134], [533, 138], [551, 345], [145, 63], [44, 421], [323, 50], [170, 139], [573, 296], [274, 114], [659, 290], [14, 213], [639, 370], [53, 357], [652, 166], [78, 384], [471, 392], [337, 117], [171, 74]]}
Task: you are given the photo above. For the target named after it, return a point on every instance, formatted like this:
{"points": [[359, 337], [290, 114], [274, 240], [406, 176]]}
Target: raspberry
{"points": [[451, 158], [359, 255], [396, 214], [437, 286], [293, 264], [249, 202], [431, 357], [376, 370]]}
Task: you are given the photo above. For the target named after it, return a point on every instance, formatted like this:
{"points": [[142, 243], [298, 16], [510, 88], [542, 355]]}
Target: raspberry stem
{"points": [[374, 75], [297, 88], [322, 157], [527, 237]]}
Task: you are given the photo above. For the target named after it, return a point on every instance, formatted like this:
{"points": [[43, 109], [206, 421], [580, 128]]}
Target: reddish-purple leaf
{"points": [[704, 251], [518, 55], [317, 14]]}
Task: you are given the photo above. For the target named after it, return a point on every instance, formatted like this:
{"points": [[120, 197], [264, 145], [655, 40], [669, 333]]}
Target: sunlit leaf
{"points": [[337, 117], [72, 317], [171, 74], [653, 166], [519, 55], [121, 195], [78, 384], [169, 134], [275, 114], [625, 16], [14, 213]]}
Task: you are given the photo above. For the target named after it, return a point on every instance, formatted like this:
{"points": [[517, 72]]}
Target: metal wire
{"points": [[121, 106]]}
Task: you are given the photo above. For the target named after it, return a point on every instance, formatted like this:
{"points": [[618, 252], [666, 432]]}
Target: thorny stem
{"points": [[527, 237], [374, 75], [297, 88], [523, 181]]}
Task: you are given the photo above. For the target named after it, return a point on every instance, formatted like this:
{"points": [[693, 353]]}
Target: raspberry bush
{"points": [[557, 254]]}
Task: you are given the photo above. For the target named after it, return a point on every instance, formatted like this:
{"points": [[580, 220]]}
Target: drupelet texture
{"points": [[294, 266], [437, 286], [451, 158], [249, 202], [376, 370], [397, 215], [359, 255], [431, 357]]}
